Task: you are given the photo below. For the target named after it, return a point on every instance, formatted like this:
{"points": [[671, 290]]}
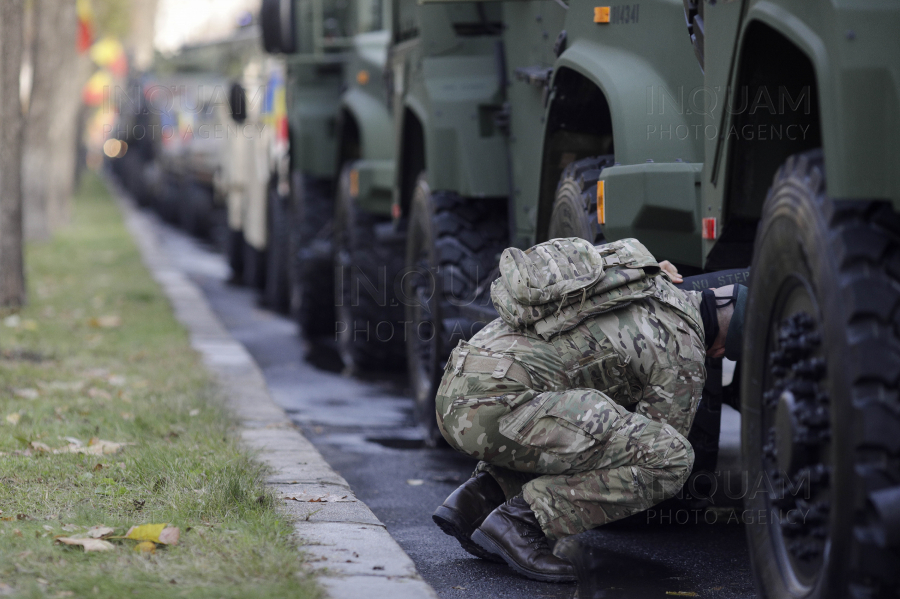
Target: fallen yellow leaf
{"points": [[146, 547], [158, 533], [88, 544], [13, 418]]}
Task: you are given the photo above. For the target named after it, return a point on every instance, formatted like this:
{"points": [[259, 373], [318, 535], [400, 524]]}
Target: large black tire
{"points": [[234, 253], [575, 207], [820, 411], [369, 327], [254, 267], [312, 270], [168, 206], [276, 294], [453, 246], [196, 209]]}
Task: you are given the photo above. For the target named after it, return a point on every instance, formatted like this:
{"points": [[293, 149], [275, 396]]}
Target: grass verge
{"points": [[97, 354]]}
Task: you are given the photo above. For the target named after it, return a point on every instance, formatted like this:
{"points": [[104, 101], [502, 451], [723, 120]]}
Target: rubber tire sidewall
{"points": [[793, 226], [276, 291], [422, 236]]}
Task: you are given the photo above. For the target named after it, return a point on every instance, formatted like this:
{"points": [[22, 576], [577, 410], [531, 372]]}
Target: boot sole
{"points": [[448, 521], [490, 545]]}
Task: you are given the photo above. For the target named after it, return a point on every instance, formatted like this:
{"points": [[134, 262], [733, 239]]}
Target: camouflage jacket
{"points": [[605, 318]]}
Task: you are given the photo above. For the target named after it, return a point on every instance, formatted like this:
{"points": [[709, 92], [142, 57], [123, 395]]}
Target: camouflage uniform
{"points": [[581, 395]]}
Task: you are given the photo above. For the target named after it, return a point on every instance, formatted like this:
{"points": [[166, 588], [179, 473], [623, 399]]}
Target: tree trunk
{"points": [[12, 271], [50, 138]]}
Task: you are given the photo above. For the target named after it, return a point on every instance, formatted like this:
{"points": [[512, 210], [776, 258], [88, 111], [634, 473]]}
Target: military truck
{"points": [[346, 196], [312, 37], [801, 174], [557, 85]]}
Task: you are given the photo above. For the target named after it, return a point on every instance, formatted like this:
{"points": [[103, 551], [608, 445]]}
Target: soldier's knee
{"points": [[675, 459]]}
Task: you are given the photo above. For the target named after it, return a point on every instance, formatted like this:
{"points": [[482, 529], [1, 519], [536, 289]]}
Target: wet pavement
{"points": [[365, 430]]}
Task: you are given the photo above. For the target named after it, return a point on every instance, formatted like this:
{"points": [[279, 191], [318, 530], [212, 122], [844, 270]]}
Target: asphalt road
{"points": [[365, 430]]}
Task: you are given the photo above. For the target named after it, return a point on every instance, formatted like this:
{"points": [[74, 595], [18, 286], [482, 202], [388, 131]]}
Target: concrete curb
{"points": [[349, 549]]}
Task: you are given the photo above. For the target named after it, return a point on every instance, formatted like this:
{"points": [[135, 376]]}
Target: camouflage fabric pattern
{"points": [[596, 431], [565, 279]]}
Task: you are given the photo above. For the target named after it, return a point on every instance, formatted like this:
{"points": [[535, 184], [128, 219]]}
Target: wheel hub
{"points": [[789, 452], [798, 435]]}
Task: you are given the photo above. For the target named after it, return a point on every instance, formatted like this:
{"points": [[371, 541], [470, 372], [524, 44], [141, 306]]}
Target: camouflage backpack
{"points": [[555, 285]]}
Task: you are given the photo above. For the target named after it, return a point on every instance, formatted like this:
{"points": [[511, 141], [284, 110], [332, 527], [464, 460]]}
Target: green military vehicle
{"points": [[411, 92], [347, 221], [800, 172], [556, 82], [312, 37]]}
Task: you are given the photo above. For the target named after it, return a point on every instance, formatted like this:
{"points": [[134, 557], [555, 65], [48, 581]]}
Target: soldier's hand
{"points": [[670, 270]]}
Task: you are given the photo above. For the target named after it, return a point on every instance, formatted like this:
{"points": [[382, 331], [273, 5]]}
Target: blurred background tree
{"points": [[56, 73], [12, 278]]}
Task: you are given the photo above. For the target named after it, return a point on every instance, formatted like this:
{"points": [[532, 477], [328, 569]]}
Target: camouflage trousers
{"points": [[579, 459]]}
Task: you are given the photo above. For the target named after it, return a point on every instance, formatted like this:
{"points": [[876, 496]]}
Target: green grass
{"points": [[64, 375]]}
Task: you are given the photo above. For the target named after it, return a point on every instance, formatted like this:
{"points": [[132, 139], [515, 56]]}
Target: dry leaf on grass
{"points": [[314, 498], [99, 532], [95, 393], [94, 447], [88, 544], [13, 418], [71, 527], [157, 533], [62, 386], [105, 322], [27, 393]]}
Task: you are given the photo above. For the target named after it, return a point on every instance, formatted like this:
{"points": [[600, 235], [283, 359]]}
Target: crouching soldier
{"points": [[577, 400]]}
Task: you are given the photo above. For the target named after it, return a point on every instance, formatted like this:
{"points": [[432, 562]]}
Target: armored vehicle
{"points": [[311, 37], [800, 172], [352, 222]]}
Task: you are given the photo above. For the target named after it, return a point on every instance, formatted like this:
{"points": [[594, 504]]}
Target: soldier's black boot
{"points": [[513, 532], [466, 508]]}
